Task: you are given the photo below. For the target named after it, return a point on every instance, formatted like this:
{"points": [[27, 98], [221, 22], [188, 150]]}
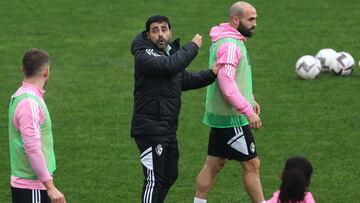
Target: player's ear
{"points": [[45, 71], [235, 20], [170, 34]]}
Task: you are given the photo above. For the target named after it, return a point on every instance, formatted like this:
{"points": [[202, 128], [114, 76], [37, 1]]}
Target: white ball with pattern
{"points": [[342, 64], [307, 67], [325, 55]]}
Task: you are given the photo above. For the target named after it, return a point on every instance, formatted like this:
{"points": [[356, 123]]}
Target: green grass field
{"points": [[90, 94]]}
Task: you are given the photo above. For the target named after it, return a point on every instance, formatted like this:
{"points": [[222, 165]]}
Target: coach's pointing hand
{"points": [[255, 121], [197, 40]]}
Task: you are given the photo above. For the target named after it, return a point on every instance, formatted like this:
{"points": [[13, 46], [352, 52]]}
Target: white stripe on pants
{"points": [[149, 186]]}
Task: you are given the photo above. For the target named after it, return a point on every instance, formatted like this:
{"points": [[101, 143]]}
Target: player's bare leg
{"points": [[207, 175], [252, 184]]}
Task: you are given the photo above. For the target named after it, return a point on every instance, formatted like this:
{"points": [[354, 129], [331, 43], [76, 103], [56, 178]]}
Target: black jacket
{"points": [[159, 80]]}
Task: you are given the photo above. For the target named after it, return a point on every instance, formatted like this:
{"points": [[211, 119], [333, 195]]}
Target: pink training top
{"points": [[229, 56], [27, 119], [307, 199]]}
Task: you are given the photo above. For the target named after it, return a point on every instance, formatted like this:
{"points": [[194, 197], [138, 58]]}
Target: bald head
{"points": [[239, 8], [242, 16]]}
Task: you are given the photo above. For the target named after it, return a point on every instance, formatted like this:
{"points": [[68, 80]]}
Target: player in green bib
{"points": [[32, 156], [230, 109]]}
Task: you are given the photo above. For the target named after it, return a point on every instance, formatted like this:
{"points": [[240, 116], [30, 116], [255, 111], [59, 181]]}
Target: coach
{"points": [[160, 76]]}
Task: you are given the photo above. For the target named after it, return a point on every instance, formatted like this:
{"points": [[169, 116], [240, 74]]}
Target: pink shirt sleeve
{"points": [[27, 119], [228, 56], [309, 198], [274, 198]]}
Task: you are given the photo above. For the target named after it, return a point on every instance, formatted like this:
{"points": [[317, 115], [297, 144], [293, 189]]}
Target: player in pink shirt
{"points": [[295, 180], [230, 107], [30, 136]]}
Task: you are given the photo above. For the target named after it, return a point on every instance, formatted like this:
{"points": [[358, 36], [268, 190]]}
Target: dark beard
{"points": [[161, 45], [244, 31], [45, 83]]}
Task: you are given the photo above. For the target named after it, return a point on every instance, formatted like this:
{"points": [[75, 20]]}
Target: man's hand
{"points": [[255, 121], [54, 194], [216, 68], [197, 40], [256, 108]]}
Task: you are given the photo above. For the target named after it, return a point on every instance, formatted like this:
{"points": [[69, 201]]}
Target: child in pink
{"points": [[295, 180]]}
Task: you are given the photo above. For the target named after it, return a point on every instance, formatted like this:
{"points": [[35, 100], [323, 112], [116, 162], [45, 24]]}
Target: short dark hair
{"points": [[157, 19], [34, 60]]}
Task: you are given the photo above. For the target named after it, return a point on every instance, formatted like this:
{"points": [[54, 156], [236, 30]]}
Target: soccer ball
{"points": [[342, 64], [307, 67], [325, 55]]}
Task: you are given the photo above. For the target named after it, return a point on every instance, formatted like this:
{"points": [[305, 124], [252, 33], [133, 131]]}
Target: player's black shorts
{"points": [[232, 143], [20, 195]]}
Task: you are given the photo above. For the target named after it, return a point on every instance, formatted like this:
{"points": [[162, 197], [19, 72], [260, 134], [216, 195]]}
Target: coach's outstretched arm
{"points": [[150, 63], [191, 80]]}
